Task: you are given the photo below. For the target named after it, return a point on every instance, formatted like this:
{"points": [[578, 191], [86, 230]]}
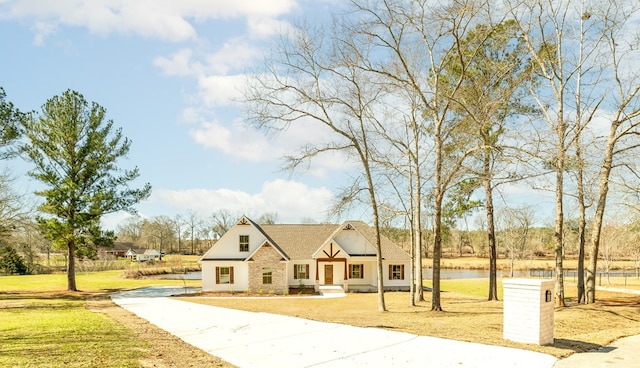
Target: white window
{"points": [[396, 272], [224, 275], [301, 271], [244, 243], [267, 276], [356, 271]]}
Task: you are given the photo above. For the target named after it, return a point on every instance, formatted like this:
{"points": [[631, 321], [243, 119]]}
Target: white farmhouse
{"points": [[278, 258]]}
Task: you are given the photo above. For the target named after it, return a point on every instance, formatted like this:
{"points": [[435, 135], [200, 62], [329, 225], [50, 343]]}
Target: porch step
{"points": [[331, 290]]}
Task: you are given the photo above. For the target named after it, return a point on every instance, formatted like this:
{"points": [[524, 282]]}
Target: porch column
{"points": [[316, 286]]}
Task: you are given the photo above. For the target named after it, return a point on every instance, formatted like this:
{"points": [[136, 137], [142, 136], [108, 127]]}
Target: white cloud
{"points": [[234, 54], [162, 19], [267, 27], [42, 30], [291, 200], [244, 142], [179, 64], [220, 90], [238, 141]]}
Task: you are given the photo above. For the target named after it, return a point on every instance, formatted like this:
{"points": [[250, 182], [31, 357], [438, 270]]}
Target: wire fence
{"points": [[618, 277]]}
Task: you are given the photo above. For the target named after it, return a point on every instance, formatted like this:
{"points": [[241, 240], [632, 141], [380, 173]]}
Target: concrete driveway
{"points": [[249, 339]]}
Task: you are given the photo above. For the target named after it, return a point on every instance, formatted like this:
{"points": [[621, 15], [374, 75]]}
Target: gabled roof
{"points": [[390, 250], [268, 242], [299, 241], [302, 241]]}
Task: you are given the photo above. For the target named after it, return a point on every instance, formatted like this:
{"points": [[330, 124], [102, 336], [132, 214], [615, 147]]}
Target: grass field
{"points": [[38, 318], [56, 332], [43, 325]]}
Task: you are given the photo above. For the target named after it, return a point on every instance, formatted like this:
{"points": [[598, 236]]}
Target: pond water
{"points": [[426, 273], [183, 276]]}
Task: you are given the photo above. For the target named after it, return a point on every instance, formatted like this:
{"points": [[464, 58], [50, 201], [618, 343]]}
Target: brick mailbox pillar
{"points": [[528, 310]]}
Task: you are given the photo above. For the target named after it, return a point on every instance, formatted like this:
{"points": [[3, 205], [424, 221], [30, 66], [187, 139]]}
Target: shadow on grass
{"points": [[56, 295], [578, 346]]}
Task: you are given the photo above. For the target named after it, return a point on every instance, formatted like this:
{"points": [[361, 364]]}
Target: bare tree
{"points": [[420, 39], [130, 229], [516, 224], [159, 231], [193, 222], [222, 221], [178, 223], [621, 35], [314, 78], [268, 218], [560, 52]]}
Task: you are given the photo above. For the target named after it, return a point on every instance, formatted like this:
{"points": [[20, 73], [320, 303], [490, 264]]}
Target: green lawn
{"points": [[61, 332], [43, 325]]}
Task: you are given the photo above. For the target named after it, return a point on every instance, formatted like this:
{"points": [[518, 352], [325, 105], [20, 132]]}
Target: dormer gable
{"points": [[354, 241], [330, 250], [240, 242], [349, 240], [268, 244]]}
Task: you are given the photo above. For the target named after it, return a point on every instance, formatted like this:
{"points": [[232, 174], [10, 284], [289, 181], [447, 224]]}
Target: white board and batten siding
{"points": [[529, 310], [228, 245], [352, 243], [406, 272], [240, 276], [293, 281]]}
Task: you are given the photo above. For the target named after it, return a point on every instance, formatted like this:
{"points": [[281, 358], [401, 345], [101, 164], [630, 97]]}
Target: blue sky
{"points": [[168, 72]]}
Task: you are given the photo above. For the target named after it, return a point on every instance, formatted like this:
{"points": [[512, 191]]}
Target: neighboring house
{"points": [[118, 250], [143, 255], [276, 258]]}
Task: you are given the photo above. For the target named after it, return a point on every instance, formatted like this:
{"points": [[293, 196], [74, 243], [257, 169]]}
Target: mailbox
{"points": [[528, 310]]}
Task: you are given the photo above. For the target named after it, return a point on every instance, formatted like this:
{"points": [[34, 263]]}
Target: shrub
{"points": [[10, 261]]}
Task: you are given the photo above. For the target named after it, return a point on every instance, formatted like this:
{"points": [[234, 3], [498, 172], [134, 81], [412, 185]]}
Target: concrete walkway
{"points": [[249, 339], [624, 353]]}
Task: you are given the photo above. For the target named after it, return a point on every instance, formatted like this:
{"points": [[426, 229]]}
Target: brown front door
{"points": [[328, 274]]}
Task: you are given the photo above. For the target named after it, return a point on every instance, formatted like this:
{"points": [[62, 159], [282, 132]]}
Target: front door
{"points": [[328, 274]]}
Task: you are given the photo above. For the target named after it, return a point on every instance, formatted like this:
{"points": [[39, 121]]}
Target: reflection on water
{"points": [[183, 276]]}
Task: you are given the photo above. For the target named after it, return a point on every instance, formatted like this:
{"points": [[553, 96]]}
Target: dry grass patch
{"points": [[466, 318]]}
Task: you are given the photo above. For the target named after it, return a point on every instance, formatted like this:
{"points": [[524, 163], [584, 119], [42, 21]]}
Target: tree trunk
{"points": [[376, 224], [491, 231], [581, 240], [605, 171], [381, 304], [559, 240], [493, 264], [412, 242], [412, 252], [558, 235], [417, 216], [71, 266], [437, 254], [437, 220]]}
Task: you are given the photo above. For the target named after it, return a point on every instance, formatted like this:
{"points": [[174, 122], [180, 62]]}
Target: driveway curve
{"points": [[250, 339]]}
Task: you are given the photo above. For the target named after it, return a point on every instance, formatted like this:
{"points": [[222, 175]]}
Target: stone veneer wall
{"points": [[266, 256]]}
